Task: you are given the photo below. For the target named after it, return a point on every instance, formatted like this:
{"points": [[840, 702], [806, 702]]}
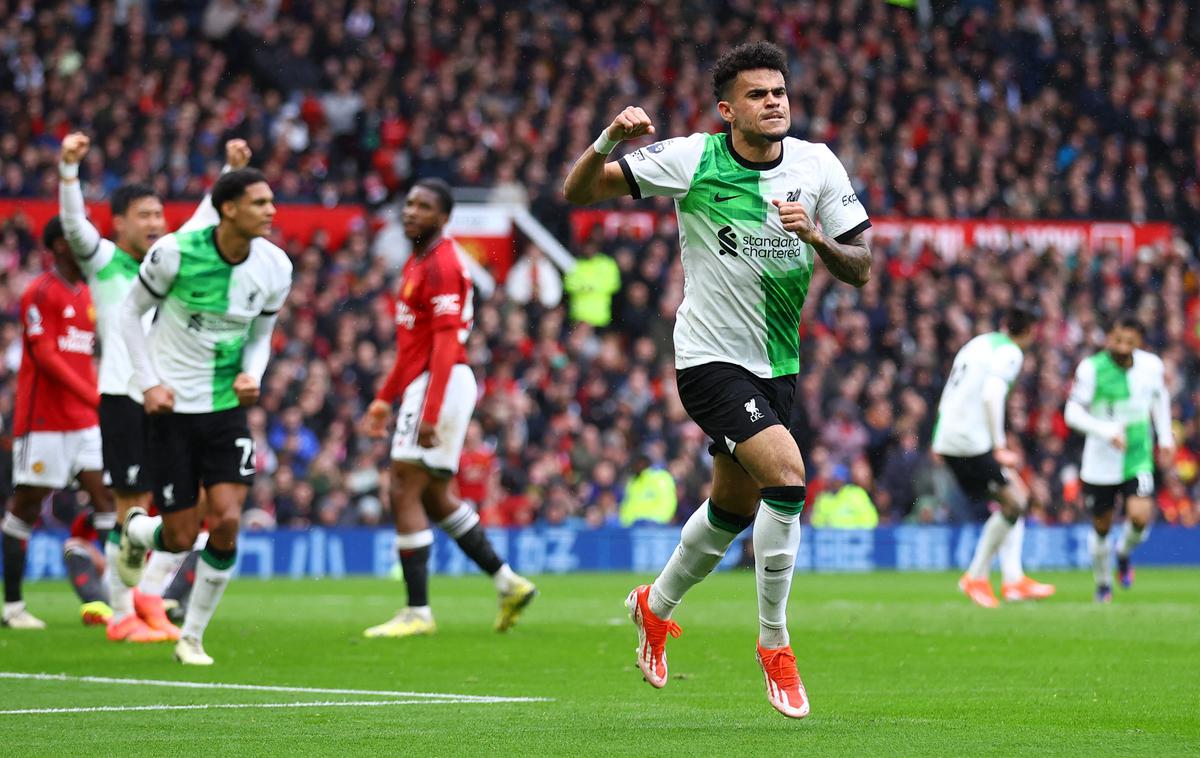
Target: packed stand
{"points": [[1074, 109]]}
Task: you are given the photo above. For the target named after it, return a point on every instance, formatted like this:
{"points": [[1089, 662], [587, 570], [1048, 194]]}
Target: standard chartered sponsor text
{"points": [[771, 247]]}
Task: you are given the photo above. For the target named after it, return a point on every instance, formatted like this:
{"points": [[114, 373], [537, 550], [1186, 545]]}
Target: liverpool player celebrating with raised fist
{"points": [[218, 290], [748, 201]]}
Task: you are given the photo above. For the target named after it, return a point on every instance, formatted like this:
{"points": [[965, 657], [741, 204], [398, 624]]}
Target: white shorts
{"points": [[457, 409], [54, 459]]}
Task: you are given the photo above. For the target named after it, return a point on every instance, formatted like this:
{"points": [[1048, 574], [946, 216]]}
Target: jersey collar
{"points": [[221, 253], [747, 163]]}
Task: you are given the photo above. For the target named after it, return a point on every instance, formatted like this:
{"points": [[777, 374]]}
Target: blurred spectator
{"points": [[649, 496], [478, 469], [592, 284], [843, 435], [534, 279], [844, 504], [896, 492], [1176, 505]]}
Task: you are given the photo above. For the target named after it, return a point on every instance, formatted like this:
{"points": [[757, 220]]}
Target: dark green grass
{"points": [[895, 664]]}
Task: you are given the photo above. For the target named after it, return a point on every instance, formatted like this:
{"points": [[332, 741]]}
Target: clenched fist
{"points": [[630, 123], [797, 221], [237, 153], [74, 146]]}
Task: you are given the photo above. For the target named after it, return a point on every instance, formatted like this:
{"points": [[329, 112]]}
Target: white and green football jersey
{"points": [[1121, 400], [208, 305], [110, 272], [745, 276], [962, 429]]}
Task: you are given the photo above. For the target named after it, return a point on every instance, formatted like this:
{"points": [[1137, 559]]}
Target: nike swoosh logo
{"points": [[777, 571], [717, 198]]}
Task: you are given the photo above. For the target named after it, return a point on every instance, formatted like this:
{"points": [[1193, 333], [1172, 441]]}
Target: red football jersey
{"points": [[56, 384], [435, 294], [475, 469]]}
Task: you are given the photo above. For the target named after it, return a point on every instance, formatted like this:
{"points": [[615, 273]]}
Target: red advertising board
{"points": [[948, 238]]}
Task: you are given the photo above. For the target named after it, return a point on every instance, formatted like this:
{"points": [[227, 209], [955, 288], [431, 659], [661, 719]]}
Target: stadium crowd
{"points": [[1073, 109], [1019, 110]]}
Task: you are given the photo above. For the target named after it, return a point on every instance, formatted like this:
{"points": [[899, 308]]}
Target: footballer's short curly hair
{"points": [[232, 185], [746, 57]]}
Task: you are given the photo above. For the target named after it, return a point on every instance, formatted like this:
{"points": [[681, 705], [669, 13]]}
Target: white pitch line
{"points": [[270, 688], [213, 706]]}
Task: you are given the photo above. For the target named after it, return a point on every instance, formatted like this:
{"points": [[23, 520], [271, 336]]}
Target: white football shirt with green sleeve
{"points": [[208, 305], [962, 429], [110, 272], [745, 276], [1127, 398]]}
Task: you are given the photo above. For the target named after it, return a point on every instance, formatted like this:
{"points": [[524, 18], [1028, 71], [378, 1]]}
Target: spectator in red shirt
{"points": [[55, 426], [477, 468]]}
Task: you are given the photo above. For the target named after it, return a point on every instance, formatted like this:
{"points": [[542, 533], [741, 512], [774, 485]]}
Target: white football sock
{"points": [[1131, 538], [423, 611], [120, 595], [141, 530], [463, 520], [504, 578], [104, 521], [990, 539], [776, 540], [160, 568], [701, 547], [1101, 563], [1010, 553], [206, 593]]}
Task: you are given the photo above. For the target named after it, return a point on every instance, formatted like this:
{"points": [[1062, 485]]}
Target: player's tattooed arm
{"points": [[848, 261]]}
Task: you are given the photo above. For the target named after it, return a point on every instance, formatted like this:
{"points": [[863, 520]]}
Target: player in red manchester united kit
{"points": [[434, 313], [55, 426]]}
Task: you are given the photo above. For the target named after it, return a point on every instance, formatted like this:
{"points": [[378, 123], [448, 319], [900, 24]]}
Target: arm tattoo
{"points": [[849, 262]]}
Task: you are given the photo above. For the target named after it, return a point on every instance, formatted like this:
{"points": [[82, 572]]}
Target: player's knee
{"points": [[1011, 511], [179, 536], [223, 527]]}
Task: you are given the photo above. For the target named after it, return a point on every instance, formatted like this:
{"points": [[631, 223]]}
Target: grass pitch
{"points": [[895, 664]]}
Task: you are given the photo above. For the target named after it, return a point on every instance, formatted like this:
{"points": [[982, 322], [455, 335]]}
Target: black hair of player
{"points": [[748, 56], [1127, 321], [440, 188], [1021, 317], [125, 195], [233, 184], [52, 232]]}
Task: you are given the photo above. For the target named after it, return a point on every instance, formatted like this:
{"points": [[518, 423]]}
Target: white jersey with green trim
{"points": [[745, 276], [208, 305], [962, 429], [110, 272], [1124, 401]]}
